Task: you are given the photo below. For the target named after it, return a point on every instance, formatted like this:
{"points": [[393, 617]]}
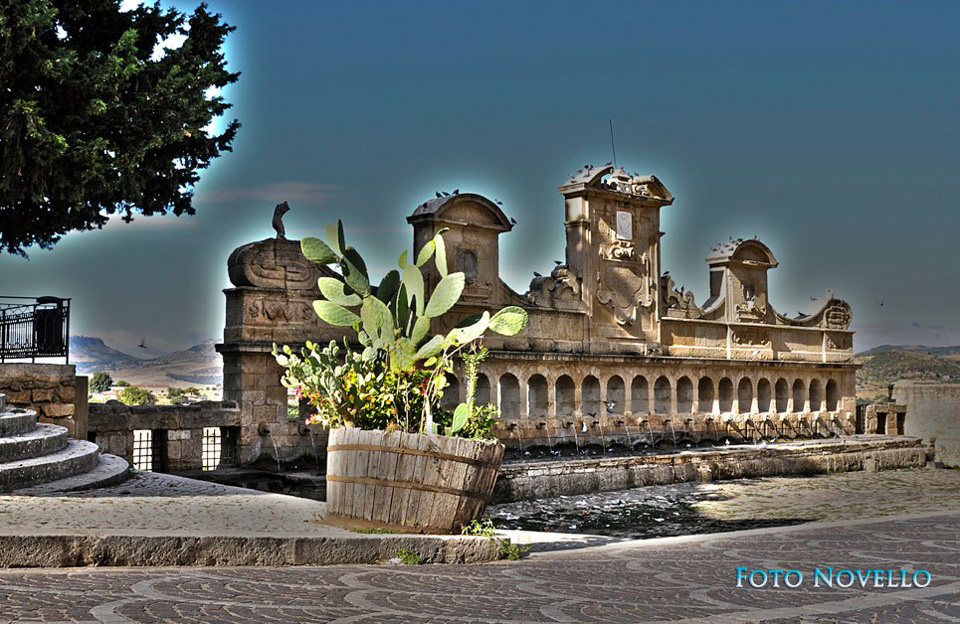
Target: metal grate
{"points": [[230, 440], [220, 447], [32, 330], [142, 449], [212, 448]]}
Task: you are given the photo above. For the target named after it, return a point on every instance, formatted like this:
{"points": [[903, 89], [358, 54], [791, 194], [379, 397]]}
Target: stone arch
{"points": [[799, 395], [639, 395], [591, 396], [725, 392], [816, 396], [662, 395], [764, 395], [566, 393], [483, 390], [833, 396], [616, 394], [782, 394], [684, 395], [537, 396], [451, 394], [744, 395], [509, 392], [705, 394]]}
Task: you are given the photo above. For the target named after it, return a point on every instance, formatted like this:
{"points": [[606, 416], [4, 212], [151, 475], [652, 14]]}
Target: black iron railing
{"points": [[40, 328]]}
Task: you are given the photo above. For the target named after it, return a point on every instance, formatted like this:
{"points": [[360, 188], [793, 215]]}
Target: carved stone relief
{"points": [[624, 290], [837, 316], [272, 263], [751, 337]]}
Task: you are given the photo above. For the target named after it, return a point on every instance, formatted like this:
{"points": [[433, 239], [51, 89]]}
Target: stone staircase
{"points": [[38, 458]]}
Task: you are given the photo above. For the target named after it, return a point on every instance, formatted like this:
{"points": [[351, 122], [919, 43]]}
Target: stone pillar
{"points": [[552, 398], [523, 407]]}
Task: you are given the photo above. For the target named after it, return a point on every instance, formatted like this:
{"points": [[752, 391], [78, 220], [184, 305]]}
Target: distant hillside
{"points": [[912, 349], [890, 363], [200, 364], [92, 354]]}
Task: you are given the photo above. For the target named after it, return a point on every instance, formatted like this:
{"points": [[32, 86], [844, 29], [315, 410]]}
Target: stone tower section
{"points": [[613, 245]]}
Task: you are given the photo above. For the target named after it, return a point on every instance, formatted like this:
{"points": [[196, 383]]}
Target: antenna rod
{"points": [[613, 145]]}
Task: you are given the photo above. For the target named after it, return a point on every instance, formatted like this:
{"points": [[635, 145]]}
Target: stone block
{"points": [[21, 397], [67, 393], [58, 410], [948, 451], [42, 395], [182, 434]]}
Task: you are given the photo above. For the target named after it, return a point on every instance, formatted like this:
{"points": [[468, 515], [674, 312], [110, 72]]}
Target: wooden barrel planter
{"points": [[408, 482]]}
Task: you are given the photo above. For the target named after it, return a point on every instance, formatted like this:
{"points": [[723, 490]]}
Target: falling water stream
{"points": [[276, 453], [519, 441]]}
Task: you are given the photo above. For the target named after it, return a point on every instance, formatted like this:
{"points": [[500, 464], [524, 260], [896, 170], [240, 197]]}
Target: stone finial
{"points": [[278, 213]]}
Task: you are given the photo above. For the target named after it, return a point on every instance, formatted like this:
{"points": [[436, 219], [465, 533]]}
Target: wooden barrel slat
{"points": [[403, 472], [408, 481]]}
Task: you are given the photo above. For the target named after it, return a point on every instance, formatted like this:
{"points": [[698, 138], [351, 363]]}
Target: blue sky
{"points": [[830, 130]]}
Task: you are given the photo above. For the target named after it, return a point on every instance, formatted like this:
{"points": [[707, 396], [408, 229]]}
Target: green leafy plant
{"points": [[505, 548], [132, 395], [479, 527], [508, 550], [396, 380], [408, 557], [100, 382]]}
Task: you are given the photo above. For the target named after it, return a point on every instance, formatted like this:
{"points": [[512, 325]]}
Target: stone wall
{"points": [[111, 426], [52, 390], [933, 413], [535, 480]]}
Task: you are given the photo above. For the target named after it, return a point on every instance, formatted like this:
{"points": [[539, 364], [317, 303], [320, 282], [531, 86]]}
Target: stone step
{"points": [[43, 440], [111, 470], [16, 422], [77, 457]]}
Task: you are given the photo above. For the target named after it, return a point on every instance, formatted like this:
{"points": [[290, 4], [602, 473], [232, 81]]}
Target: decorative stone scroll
{"points": [[562, 286], [273, 263], [679, 303]]}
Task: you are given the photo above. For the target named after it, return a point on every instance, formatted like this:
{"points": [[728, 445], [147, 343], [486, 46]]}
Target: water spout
{"points": [[621, 423], [576, 439], [603, 438]]}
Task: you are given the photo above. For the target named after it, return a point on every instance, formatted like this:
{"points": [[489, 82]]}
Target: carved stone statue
{"points": [[278, 213]]}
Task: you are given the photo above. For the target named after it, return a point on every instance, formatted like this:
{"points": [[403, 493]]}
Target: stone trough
{"points": [[550, 478]]}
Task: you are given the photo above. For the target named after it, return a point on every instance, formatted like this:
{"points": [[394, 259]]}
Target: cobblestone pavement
{"points": [[839, 496], [686, 579]]}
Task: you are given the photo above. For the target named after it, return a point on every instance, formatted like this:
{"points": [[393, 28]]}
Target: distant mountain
{"points": [[198, 365], [888, 364], [912, 349], [92, 354]]}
